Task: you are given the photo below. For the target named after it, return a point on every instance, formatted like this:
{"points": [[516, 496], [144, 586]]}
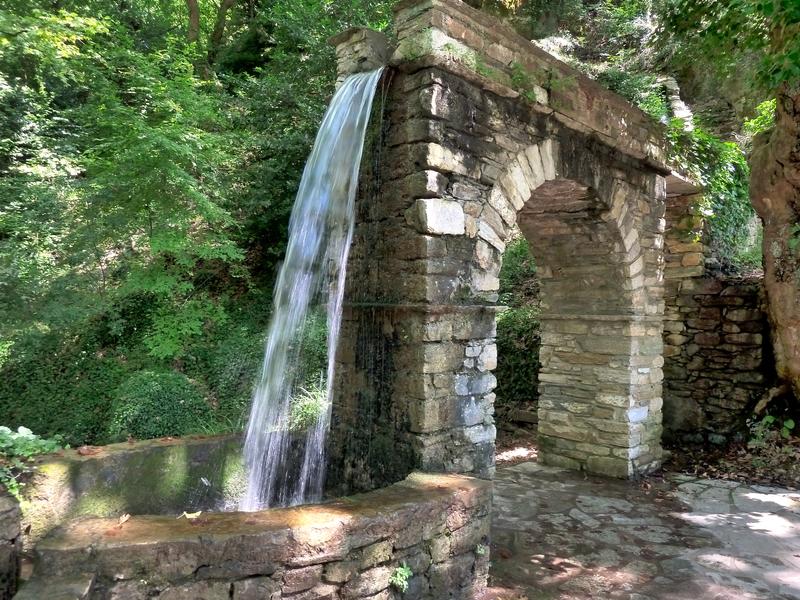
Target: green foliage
{"points": [[764, 120], [313, 363], [157, 404], [764, 431], [307, 405], [59, 382], [141, 205], [17, 448], [518, 334], [641, 89], [400, 576], [725, 34], [518, 282], [721, 167]]}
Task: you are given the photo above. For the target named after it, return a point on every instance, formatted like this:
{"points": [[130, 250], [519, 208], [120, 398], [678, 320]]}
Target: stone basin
{"points": [[436, 525], [165, 476]]}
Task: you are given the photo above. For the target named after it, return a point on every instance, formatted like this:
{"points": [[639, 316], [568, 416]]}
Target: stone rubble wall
{"points": [[436, 525], [715, 336], [10, 545]]}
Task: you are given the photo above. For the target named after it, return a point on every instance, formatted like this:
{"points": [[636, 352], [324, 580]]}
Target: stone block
{"points": [[201, 590], [299, 580], [368, 582], [256, 588], [376, 553], [440, 217]]}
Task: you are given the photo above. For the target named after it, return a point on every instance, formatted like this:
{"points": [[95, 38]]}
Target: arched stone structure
{"points": [[482, 133], [597, 242]]}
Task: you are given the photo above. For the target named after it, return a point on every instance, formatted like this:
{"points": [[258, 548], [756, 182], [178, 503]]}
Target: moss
{"points": [[99, 504], [151, 477]]}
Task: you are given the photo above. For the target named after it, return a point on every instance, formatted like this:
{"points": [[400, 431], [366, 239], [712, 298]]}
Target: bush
{"points": [[230, 370], [518, 341], [157, 404], [62, 383], [721, 167]]}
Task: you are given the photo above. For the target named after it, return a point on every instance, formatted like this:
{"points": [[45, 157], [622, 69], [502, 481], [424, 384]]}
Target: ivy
{"points": [[722, 169]]}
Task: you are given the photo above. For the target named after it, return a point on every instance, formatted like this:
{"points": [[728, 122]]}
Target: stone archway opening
{"points": [[599, 405]]}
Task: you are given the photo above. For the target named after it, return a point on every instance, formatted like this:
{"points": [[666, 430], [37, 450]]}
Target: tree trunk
{"points": [[775, 194], [193, 32], [217, 35]]}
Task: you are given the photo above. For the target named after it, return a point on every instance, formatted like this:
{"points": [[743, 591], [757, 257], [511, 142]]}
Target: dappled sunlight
{"points": [[784, 500], [517, 454], [773, 525], [560, 534]]}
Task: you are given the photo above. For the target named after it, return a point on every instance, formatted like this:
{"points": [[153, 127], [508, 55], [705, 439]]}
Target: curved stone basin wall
{"points": [[437, 525], [165, 476]]}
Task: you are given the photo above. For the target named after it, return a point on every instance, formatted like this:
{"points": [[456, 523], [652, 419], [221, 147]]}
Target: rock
{"points": [[440, 217]]}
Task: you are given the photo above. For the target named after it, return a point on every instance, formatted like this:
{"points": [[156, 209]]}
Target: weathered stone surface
{"points": [[675, 539], [342, 549], [71, 587], [441, 217], [714, 338], [108, 482], [256, 588]]}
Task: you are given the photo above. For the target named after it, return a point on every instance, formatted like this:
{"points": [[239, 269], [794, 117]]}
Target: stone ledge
{"points": [[585, 317], [286, 547]]}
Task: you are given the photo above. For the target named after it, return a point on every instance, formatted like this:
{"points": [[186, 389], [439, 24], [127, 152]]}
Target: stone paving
{"points": [[562, 535]]}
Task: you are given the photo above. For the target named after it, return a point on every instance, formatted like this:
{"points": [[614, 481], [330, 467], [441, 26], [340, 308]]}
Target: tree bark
{"points": [[775, 194], [193, 32], [218, 33]]}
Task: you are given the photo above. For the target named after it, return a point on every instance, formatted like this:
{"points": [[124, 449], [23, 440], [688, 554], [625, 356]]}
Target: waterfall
{"points": [[283, 470]]}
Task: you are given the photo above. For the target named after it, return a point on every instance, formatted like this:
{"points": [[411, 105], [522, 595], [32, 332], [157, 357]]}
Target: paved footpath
{"points": [[563, 535]]}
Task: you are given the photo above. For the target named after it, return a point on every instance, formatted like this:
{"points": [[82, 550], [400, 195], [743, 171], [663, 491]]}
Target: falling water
{"points": [[313, 273]]}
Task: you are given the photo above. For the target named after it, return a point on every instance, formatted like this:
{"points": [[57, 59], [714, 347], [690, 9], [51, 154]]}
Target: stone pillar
{"points": [[359, 49], [600, 393]]}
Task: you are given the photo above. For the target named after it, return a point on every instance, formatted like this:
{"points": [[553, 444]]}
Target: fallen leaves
{"points": [[89, 450], [190, 516]]}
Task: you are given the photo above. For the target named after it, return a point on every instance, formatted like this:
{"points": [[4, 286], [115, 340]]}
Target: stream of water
{"points": [[284, 467]]}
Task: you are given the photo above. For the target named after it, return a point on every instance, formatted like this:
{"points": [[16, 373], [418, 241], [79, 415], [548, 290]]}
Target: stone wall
{"points": [[10, 546], [436, 525], [715, 335], [165, 476]]}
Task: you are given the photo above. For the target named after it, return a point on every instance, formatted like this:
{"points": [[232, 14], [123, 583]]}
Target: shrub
{"points": [[721, 167], [231, 370], [61, 382], [313, 360], [157, 404], [518, 343]]}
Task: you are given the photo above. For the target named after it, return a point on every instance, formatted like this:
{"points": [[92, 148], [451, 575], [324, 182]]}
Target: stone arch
{"points": [[600, 403], [483, 132]]}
